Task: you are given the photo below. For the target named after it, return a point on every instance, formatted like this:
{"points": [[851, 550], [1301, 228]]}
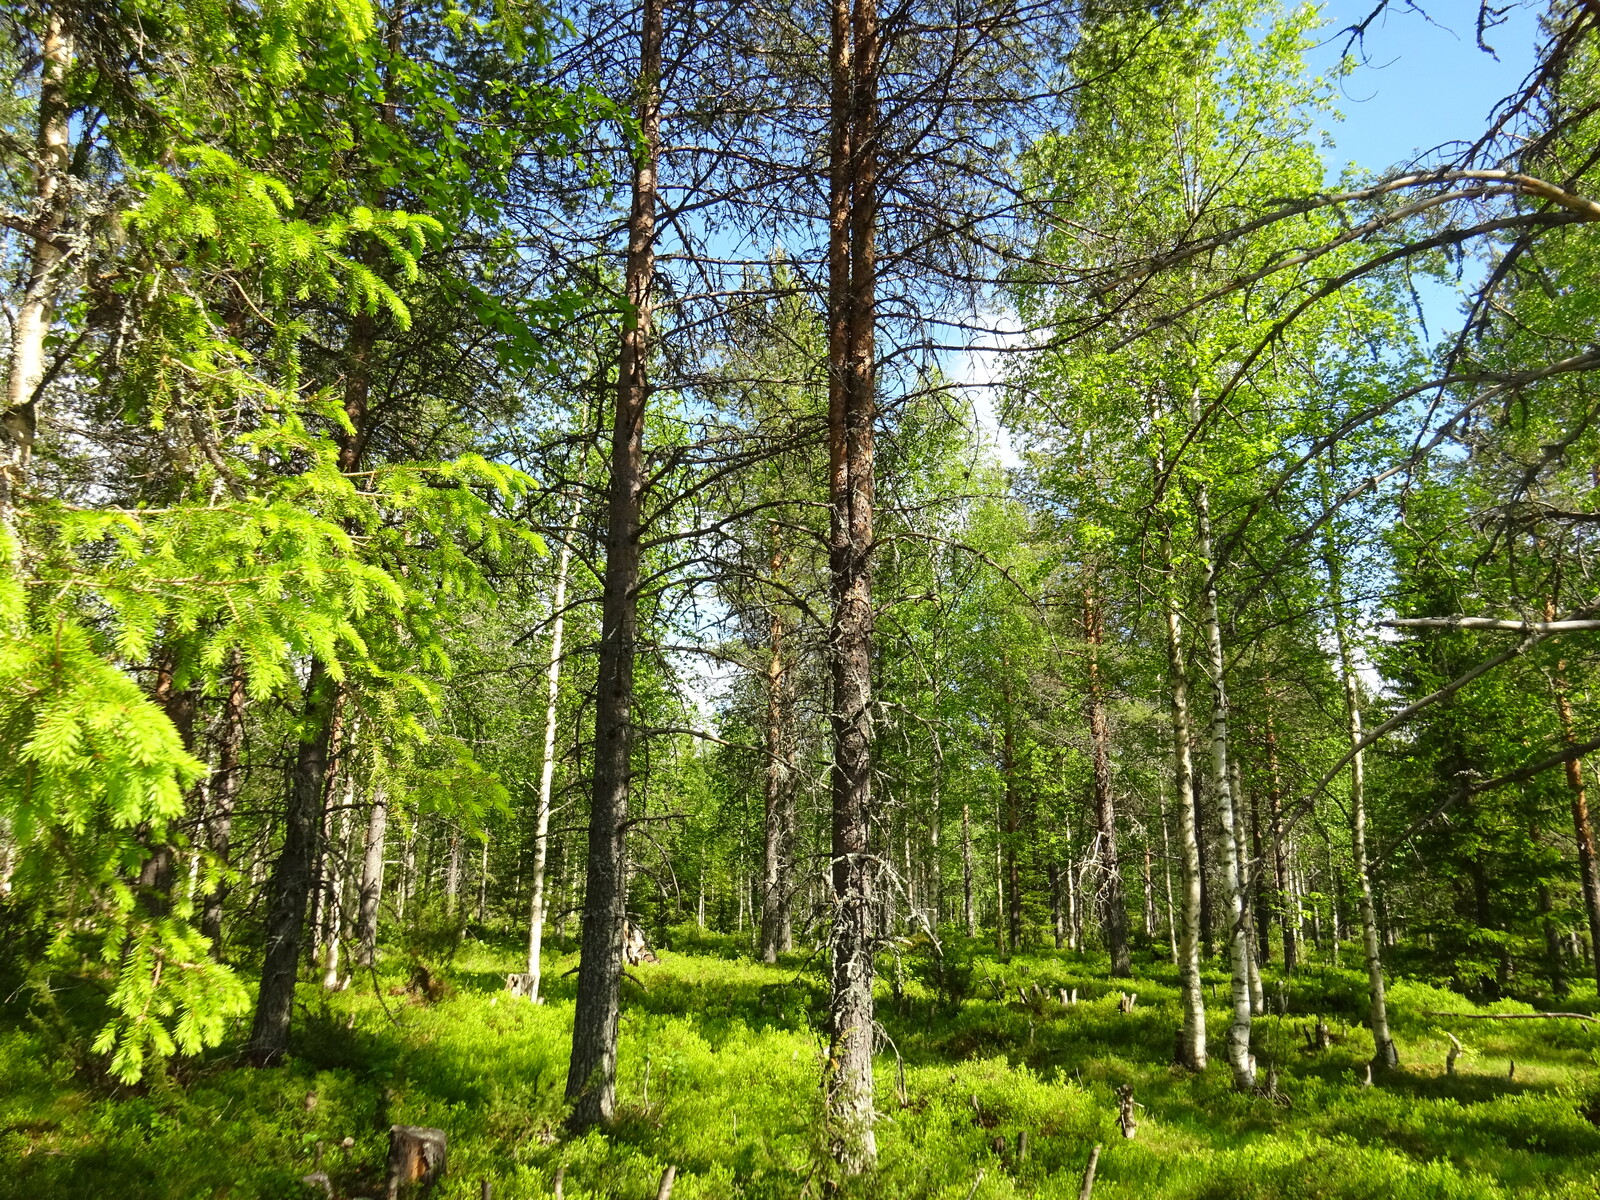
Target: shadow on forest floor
{"points": [[719, 1068]]}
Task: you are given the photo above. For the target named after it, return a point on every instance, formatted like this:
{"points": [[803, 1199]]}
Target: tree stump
{"points": [[416, 1160], [1455, 1053], [1125, 1114], [636, 947], [520, 985]]}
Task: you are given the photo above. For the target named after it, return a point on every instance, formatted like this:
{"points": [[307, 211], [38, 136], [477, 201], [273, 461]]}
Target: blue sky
{"points": [[1424, 81]]}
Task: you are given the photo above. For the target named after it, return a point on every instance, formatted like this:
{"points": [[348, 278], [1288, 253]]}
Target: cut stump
{"points": [[416, 1160]]}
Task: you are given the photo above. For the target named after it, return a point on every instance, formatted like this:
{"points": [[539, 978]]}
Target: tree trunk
{"points": [[1058, 924], [776, 928], [290, 887], [1384, 1053], [452, 871], [1246, 888], [337, 884], [1193, 1039], [1260, 894], [1288, 914], [225, 783], [547, 761], [31, 324], [1013, 813], [1113, 906], [969, 916], [852, 409], [1166, 876], [999, 884], [372, 878], [1582, 830], [1240, 1060], [1074, 908], [592, 1075]]}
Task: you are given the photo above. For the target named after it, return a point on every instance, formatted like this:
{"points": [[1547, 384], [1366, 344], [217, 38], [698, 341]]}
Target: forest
{"points": [[881, 598]]}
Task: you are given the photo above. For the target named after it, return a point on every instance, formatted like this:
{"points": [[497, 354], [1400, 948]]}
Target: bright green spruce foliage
{"points": [[219, 251], [719, 1078]]}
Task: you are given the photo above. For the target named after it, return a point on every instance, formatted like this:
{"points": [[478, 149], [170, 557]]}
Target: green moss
{"points": [[732, 1052]]}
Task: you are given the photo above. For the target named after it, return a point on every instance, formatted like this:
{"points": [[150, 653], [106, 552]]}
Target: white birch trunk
{"points": [[372, 878], [547, 764], [1240, 1060], [1384, 1053], [1247, 885], [1193, 1043], [1166, 875], [46, 268]]}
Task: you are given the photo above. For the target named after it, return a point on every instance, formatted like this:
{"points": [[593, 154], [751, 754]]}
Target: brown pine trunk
{"points": [[852, 408], [592, 1074], [1113, 905]]}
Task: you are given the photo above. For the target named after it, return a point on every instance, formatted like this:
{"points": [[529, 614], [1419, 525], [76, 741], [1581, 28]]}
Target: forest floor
{"points": [[719, 1070]]}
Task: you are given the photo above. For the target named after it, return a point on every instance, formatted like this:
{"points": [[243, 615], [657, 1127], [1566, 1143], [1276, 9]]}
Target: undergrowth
{"points": [[719, 1075]]}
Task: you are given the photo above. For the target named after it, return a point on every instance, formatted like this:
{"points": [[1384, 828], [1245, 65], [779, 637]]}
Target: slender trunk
{"points": [[592, 1074], [1288, 914], [935, 826], [46, 270], [1554, 954], [999, 888], [225, 781], [1240, 1060], [1166, 876], [547, 761], [1113, 907], [1193, 1039], [1013, 813], [1384, 1053], [1246, 888], [290, 887], [333, 776], [1582, 830], [337, 883], [1261, 895], [483, 878], [408, 872], [1335, 931], [1074, 909], [452, 872], [776, 928], [1149, 890], [1058, 924], [372, 878], [1207, 942], [968, 916]]}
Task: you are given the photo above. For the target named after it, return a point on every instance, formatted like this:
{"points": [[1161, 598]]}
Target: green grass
{"points": [[733, 1053]]}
